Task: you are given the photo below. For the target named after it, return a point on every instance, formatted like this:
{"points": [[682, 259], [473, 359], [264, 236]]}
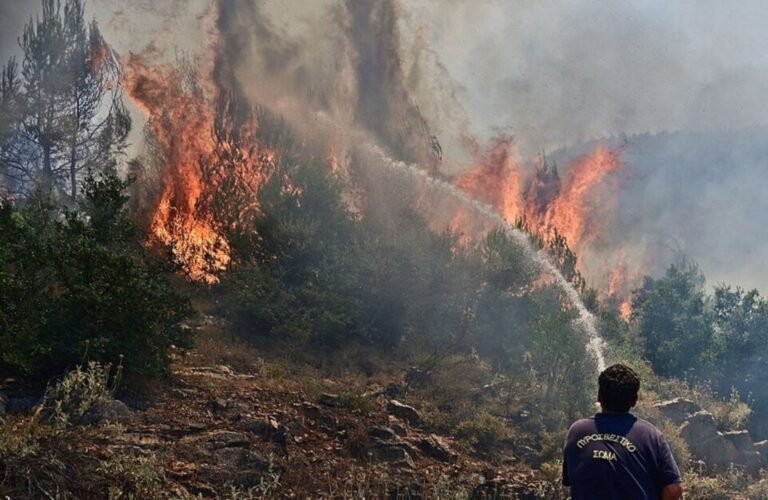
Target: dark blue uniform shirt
{"points": [[617, 456]]}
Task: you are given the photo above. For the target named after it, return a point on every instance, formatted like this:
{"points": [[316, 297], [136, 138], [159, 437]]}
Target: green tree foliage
{"points": [[721, 338], [77, 282], [675, 322], [740, 349], [292, 280], [63, 115]]}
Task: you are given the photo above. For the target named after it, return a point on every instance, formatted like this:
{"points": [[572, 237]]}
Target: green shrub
{"points": [[485, 433], [82, 280], [80, 390], [131, 476]]}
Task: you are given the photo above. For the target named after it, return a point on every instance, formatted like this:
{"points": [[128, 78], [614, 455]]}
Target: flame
{"points": [[195, 156], [620, 284], [496, 179], [577, 208], [576, 211], [573, 210]]}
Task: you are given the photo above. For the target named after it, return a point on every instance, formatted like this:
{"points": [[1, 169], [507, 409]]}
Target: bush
{"points": [[132, 476], [485, 433], [80, 390], [77, 280]]}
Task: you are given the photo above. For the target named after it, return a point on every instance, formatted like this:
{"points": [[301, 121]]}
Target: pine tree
{"points": [[69, 118]]}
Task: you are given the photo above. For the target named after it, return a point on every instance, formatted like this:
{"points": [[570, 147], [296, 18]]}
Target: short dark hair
{"points": [[619, 385]]}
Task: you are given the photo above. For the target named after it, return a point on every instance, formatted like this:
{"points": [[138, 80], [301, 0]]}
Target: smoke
{"points": [[700, 194], [563, 72], [13, 15], [550, 74]]}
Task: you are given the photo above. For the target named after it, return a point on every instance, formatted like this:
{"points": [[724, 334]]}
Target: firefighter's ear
{"points": [[634, 401]]}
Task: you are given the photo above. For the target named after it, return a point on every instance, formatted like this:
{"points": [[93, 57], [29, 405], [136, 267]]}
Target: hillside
{"points": [[231, 423]]}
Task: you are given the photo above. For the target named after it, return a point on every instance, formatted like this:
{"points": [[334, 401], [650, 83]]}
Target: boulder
{"points": [[400, 410], [678, 409], [227, 439], [417, 377], [708, 444], [392, 454], [328, 399], [740, 440], [762, 448], [383, 433], [219, 405], [264, 427], [748, 457], [108, 412], [241, 467], [311, 410], [435, 447], [394, 390], [752, 462], [396, 426]]}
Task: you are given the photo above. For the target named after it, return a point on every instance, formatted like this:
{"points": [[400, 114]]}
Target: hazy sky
{"points": [[561, 71]]}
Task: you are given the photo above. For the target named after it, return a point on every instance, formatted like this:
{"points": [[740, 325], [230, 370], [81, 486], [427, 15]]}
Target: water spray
{"points": [[586, 320]]}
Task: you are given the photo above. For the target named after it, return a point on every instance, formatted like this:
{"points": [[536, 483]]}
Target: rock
{"points": [[395, 390], [748, 456], [752, 462], [699, 427], [177, 432], [707, 444], [221, 404], [225, 370], [434, 446], [762, 448], [417, 377], [404, 411], [241, 458], [265, 427], [312, 410], [740, 440], [383, 433], [108, 412], [271, 429], [396, 426], [392, 454], [242, 467], [329, 399], [678, 409], [227, 439]]}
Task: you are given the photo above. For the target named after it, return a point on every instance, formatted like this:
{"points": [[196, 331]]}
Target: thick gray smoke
{"points": [[340, 60], [561, 72], [551, 73]]}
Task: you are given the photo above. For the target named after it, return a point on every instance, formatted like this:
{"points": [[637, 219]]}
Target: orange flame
{"points": [[182, 123], [576, 211], [577, 208], [496, 179], [620, 284]]}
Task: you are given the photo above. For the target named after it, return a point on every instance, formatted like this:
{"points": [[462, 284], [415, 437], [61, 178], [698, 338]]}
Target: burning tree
{"points": [[63, 114]]}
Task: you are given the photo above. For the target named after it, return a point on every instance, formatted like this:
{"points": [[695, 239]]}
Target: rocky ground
{"points": [[257, 430]]}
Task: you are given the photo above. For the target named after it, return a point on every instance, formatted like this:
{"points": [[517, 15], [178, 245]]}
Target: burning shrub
{"points": [[80, 280]]}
